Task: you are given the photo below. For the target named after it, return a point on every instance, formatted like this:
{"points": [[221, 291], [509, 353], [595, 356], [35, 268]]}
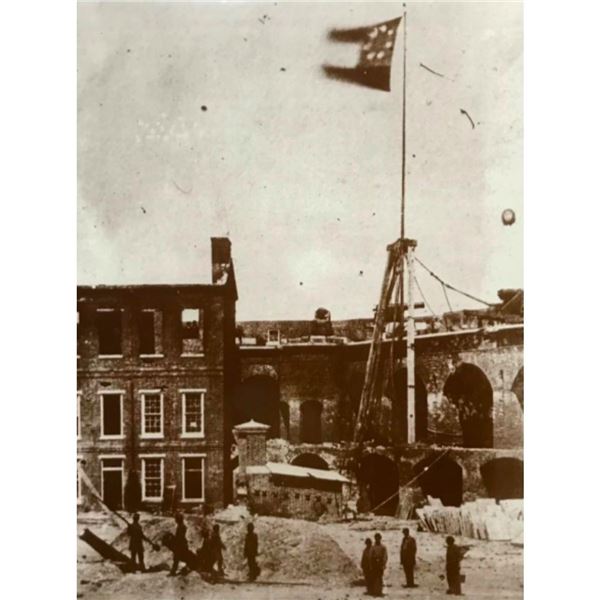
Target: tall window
{"points": [[111, 404], [112, 481], [192, 467], [109, 331], [192, 334], [152, 414], [152, 478], [192, 408], [150, 332]]}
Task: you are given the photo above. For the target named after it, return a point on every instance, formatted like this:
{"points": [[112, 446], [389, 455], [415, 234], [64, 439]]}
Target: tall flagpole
{"points": [[403, 128], [403, 183]]}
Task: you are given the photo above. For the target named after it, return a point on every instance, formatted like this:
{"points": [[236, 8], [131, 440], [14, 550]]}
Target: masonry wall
{"points": [[333, 375], [288, 498], [168, 373]]}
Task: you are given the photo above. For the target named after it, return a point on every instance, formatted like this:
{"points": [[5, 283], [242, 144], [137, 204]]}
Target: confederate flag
{"points": [[376, 49]]}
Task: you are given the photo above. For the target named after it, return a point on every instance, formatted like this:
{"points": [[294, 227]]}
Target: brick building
{"points": [[155, 367], [280, 488]]}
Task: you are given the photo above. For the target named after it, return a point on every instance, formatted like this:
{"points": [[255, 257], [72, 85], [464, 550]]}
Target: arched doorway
{"points": [[397, 390], [379, 482], [258, 398], [503, 478], [440, 478], [310, 422], [470, 390], [310, 461], [517, 387]]}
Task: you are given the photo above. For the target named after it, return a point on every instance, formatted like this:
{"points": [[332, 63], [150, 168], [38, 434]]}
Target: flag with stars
{"points": [[375, 60]]}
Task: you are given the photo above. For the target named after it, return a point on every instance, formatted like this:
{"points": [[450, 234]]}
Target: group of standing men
{"points": [[208, 556], [374, 560]]}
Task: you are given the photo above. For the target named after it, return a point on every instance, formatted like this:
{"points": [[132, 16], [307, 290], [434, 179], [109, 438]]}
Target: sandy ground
{"points": [[316, 566]]}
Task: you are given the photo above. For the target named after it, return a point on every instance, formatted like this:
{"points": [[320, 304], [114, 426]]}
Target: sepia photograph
{"points": [[300, 300]]}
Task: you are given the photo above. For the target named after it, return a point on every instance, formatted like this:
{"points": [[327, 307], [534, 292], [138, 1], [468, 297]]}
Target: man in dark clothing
{"points": [[408, 557], [136, 544], [217, 547], [454, 555], [251, 552], [204, 552], [365, 564], [378, 563], [180, 543]]}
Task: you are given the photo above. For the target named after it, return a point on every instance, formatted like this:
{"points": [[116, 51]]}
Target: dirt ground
{"points": [[300, 560]]}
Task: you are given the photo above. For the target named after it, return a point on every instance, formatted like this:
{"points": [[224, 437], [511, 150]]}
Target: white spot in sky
{"points": [[382, 27], [380, 54], [371, 55], [388, 44], [373, 34]]}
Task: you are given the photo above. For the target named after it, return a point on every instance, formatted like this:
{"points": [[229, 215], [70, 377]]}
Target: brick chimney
{"points": [[251, 439], [221, 259]]}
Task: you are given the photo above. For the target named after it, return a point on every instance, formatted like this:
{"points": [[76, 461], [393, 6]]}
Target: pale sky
{"points": [[301, 172]]}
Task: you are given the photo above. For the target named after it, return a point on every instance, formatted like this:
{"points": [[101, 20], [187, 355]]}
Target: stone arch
{"points": [[517, 387], [310, 422], [310, 461], [257, 398], [470, 390], [378, 481], [259, 371], [440, 478], [503, 478]]}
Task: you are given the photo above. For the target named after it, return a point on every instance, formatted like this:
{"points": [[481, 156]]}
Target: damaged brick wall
{"points": [[165, 374], [333, 375]]}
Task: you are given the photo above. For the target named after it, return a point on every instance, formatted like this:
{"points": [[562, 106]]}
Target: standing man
{"points": [[365, 564], [408, 557], [136, 545], [180, 545], [454, 555], [378, 563], [217, 547], [251, 552]]}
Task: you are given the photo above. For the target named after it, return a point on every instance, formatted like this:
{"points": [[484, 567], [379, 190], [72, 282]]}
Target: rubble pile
{"points": [[483, 519], [288, 550]]}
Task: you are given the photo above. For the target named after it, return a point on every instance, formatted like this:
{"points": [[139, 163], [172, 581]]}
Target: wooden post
{"points": [[371, 371], [410, 343]]}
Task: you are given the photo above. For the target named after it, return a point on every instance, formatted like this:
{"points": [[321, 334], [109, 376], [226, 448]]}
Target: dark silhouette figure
{"points": [[408, 557], [251, 552], [136, 545], [180, 546], [217, 547], [378, 563], [365, 564], [454, 554], [204, 553]]}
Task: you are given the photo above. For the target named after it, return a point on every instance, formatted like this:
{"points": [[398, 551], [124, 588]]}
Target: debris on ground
{"points": [[483, 519], [233, 514]]}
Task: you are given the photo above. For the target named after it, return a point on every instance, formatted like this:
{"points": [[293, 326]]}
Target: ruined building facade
{"points": [[164, 374], [154, 368], [306, 386]]}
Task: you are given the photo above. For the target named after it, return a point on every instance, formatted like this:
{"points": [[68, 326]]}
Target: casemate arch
{"points": [[471, 392]]}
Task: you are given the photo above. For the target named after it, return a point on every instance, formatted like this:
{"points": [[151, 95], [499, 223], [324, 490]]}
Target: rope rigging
{"points": [[446, 285]]}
